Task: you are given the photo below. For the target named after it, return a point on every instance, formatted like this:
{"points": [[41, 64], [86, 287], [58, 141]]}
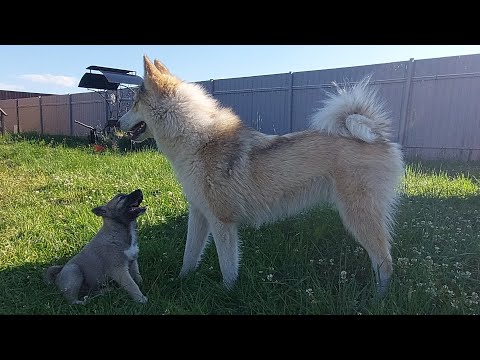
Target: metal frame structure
{"points": [[109, 80]]}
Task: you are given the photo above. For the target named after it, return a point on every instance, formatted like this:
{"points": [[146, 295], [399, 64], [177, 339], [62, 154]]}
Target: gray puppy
{"points": [[110, 255]]}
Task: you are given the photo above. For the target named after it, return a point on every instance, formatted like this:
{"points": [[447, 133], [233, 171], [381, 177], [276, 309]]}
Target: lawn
{"points": [[304, 265]]}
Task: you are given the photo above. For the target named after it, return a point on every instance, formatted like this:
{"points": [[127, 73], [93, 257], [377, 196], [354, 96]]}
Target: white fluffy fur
{"points": [[353, 112], [233, 175], [132, 251]]}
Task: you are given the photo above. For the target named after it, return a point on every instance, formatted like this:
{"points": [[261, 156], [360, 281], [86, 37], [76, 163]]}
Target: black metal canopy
{"points": [[109, 78]]}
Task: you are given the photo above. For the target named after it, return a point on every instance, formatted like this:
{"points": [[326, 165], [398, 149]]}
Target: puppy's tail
{"points": [[51, 273], [354, 112]]}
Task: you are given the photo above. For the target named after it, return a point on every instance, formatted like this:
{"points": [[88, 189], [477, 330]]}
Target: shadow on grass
{"points": [[304, 265], [23, 291], [277, 250]]}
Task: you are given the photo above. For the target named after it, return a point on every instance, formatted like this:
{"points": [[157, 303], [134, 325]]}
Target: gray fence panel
{"points": [[236, 94], [474, 155], [304, 103], [392, 94], [445, 111], [90, 109], [442, 154], [464, 64], [260, 101], [11, 119], [310, 89], [270, 112], [55, 115], [29, 115], [379, 72], [207, 85], [444, 115]]}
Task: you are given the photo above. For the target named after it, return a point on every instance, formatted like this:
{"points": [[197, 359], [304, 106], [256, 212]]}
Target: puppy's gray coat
{"points": [[111, 254]]}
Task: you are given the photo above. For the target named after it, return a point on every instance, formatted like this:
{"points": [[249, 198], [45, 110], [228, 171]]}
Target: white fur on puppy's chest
{"points": [[132, 251]]}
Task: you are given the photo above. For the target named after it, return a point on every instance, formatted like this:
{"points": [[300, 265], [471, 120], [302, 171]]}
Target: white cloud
{"points": [[11, 87], [67, 81]]}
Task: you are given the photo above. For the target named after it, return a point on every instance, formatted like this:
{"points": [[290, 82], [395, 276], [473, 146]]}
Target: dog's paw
{"points": [[228, 285], [141, 299], [79, 302]]}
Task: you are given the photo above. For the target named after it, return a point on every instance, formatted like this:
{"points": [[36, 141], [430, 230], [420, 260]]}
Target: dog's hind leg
{"points": [[197, 235], [51, 273], [226, 240], [70, 281], [122, 276], [364, 218]]}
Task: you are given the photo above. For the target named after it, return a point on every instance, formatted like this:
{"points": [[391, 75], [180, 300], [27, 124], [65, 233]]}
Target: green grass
{"points": [[303, 265]]}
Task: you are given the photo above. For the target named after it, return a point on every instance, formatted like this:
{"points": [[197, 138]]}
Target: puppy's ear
{"points": [[100, 211]]}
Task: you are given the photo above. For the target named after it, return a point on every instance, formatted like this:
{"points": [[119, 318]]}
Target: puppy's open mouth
{"points": [[136, 209], [136, 199], [137, 130]]}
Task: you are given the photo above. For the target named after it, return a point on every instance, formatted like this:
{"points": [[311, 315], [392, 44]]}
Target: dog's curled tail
{"points": [[354, 112], [51, 273]]}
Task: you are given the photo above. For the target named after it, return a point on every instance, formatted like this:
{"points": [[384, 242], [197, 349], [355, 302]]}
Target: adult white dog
{"points": [[233, 175]]}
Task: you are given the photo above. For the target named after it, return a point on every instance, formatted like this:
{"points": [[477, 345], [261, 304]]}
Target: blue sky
{"points": [[57, 69]]}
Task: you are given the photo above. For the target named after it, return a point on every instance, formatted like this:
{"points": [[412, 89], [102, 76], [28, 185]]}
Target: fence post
{"points": [[70, 114], [41, 115], [18, 117], [107, 108], [212, 86], [405, 110], [290, 100]]}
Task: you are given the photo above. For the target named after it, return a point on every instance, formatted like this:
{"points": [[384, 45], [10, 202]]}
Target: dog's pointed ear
{"points": [[162, 68], [150, 69], [157, 80], [100, 211]]}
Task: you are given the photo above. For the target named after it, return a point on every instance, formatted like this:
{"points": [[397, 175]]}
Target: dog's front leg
{"points": [[124, 279], [135, 272], [226, 240], [197, 235]]}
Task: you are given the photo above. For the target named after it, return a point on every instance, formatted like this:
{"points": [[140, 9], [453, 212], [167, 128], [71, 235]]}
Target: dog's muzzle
{"points": [[134, 200], [137, 130]]}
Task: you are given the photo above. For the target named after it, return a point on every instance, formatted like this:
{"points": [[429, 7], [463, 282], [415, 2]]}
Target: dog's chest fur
{"points": [[132, 251]]}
